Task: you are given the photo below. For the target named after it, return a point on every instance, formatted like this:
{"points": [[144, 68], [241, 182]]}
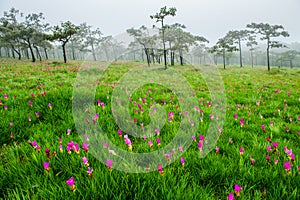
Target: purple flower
{"points": [[160, 169], [46, 166], [109, 163], [150, 143], [71, 183], [85, 161], [157, 131], [120, 132], [237, 189], [287, 166], [90, 172], [241, 151], [182, 160], [85, 147], [230, 196], [158, 141]]}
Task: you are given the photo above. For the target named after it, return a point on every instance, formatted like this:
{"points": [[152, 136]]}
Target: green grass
{"points": [[213, 177]]}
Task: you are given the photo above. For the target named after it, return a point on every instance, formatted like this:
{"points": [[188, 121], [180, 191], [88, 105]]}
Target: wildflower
{"points": [[235, 116], [242, 122], [150, 143], [128, 142], [120, 133], [71, 183], [109, 163], [105, 145], [37, 114], [85, 161], [268, 158], [95, 118], [11, 124], [180, 148], [230, 140], [47, 166], [86, 137], [271, 123], [194, 138], [200, 145], [287, 129], [275, 144], [168, 156], [112, 152], [85, 147], [269, 148], [99, 102], [268, 139], [275, 161], [287, 166], [60, 140], [30, 103], [5, 107], [160, 169], [237, 189], [5, 96], [252, 160], [299, 169], [217, 149], [231, 196], [263, 128], [182, 160], [201, 138], [47, 151], [157, 131], [241, 151], [50, 106], [293, 157], [61, 148], [29, 118], [90, 172], [258, 103], [77, 149], [87, 120], [158, 141]]}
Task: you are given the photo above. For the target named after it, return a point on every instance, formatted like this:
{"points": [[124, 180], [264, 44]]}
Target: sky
{"points": [[209, 18]]}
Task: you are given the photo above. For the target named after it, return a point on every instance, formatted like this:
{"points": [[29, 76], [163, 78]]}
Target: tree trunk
{"points": [[13, 53], [172, 58], [147, 56], [251, 54], [164, 45], [181, 59], [93, 52], [46, 54], [37, 52], [291, 63], [240, 48], [268, 55], [64, 52], [17, 51], [73, 51], [224, 63], [31, 51]]}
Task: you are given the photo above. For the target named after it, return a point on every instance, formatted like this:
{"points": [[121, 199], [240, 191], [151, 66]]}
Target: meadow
{"points": [[43, 156]]}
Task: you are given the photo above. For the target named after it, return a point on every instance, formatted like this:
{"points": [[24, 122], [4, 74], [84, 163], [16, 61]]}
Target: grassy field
{"points": [[256, 155]]}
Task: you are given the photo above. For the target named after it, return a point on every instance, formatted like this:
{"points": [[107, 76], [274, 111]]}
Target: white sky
{"points": [[209, 18]]}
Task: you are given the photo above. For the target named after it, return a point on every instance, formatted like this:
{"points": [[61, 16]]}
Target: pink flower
{"points": [[235, 116], [231, 196], [77, 149], [237, 189], [29, 118], [217, 149], [68, 131], [275, 144], [85, 161], [158, 141], [60, 140], [182, 160], [263, 128], [47, 166], [157, 131], [287, 129], [50, 106], [252, 161], [61, 148], [85, 147], [37, 114], [5, 96], [242, 122], [30, 103], [90, 172], [71, 183], [193, 138], [241, 151], [160, 169], [271, 123], [150, 143], [120, 132], [269, 148], [180, 148], [200, 145], [201, 138], [287, 166], [275, 161], [268, 158], [109, 163], [230, 140]]}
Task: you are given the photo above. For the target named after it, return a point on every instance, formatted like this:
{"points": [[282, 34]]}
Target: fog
{"points": [[209, 18]]}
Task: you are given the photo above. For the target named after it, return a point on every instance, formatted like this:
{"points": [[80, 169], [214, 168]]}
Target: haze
{"points": [[209, 18]]}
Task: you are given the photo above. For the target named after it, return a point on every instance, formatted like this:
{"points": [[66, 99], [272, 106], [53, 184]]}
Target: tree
{"points": [[268, 32], [160, 18], [251, 44], [237, 37], [143, 37], [63, 34], [223, 45]]}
